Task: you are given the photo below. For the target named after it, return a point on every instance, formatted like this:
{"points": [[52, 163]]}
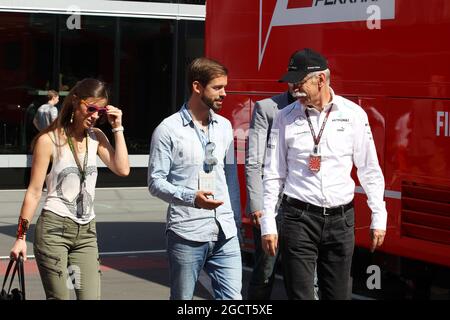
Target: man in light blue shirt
{"points": [[192, 167], [47, 113]]}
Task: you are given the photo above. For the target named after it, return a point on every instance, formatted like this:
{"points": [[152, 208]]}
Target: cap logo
{"points": [[314, 67], [292, 65]]}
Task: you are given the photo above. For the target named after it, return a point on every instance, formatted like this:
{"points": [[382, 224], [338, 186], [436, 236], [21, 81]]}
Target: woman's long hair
{"points": [[86, 88]]}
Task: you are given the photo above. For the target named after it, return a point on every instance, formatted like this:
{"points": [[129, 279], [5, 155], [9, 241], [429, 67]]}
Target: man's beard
{"points": [[210, 103]]}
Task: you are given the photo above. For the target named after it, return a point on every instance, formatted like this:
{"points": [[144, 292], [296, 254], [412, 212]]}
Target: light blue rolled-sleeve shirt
{"points": [[176, 158]]}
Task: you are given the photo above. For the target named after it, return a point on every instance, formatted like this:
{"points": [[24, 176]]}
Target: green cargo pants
{"points": [[67, 257]]}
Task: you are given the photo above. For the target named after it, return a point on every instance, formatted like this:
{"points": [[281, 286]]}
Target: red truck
{"points": [[392, 57]]}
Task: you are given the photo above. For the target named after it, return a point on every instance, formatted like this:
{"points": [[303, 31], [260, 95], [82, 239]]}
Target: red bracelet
{"points": [[22, 228]]}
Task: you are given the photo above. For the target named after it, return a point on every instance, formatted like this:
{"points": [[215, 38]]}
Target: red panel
{"points": [[414, 151], [387, 61], [299, 4], [400, 75]]}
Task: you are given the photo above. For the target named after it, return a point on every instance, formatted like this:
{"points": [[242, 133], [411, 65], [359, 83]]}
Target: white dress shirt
{"points": [[346, 140]]}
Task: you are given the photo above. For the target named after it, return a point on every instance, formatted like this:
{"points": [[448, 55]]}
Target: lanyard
{"points": [[317, 139], [81, 170]]}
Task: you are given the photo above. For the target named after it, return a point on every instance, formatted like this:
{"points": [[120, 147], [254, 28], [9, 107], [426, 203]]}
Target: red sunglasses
{"points": [[91, 108]]}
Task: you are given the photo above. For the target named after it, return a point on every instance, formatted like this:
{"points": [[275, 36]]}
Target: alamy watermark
{"points": [[374, 280], [74, 277], [374, 20], [73, 22]]}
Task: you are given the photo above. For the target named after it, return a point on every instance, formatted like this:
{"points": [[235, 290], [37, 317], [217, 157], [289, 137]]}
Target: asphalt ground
{"points": [[130, 231]]}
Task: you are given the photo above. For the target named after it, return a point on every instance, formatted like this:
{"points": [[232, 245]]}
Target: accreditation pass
{"points": [[206, 181]]}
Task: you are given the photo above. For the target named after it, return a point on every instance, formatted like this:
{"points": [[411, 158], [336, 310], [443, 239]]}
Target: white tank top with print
{"points": [[66, 197]]}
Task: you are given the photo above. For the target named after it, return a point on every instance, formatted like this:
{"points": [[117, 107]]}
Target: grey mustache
{"points": [[299, 94]]}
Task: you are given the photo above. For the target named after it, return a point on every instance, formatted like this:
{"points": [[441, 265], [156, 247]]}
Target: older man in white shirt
{"points": [[313, 146]]}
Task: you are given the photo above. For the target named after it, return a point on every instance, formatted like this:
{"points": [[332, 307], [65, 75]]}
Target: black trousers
{"points": [[308, 237]]}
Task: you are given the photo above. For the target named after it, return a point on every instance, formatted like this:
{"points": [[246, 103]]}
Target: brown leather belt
{"points": [[316, 209]]}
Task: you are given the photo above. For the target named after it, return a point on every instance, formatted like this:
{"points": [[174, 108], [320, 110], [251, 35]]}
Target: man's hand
{"points": [[204, 200], [255, 216], [270, 243], [377, 238]]}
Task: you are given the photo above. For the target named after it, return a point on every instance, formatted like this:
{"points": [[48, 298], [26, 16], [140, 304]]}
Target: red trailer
{"points": [[392, 57]]}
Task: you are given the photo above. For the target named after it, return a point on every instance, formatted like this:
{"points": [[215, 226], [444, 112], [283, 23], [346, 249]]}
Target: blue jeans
{"points": [[220, 259]]}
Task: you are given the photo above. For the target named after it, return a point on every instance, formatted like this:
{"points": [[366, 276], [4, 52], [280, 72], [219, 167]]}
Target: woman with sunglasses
{"points": [[65, 244]]}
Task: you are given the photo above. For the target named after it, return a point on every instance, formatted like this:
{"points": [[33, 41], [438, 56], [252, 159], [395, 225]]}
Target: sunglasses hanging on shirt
{"points": [[210, 160]]}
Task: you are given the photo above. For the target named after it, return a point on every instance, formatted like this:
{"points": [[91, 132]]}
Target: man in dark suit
{"points": [[264, 112]]}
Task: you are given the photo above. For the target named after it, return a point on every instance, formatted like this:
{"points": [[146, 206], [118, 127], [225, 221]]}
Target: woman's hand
{"points": [[19, 248], [114, 116]]}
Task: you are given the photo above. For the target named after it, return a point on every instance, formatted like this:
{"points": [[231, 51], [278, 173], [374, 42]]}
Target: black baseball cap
{"points": [[303, 62]]}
